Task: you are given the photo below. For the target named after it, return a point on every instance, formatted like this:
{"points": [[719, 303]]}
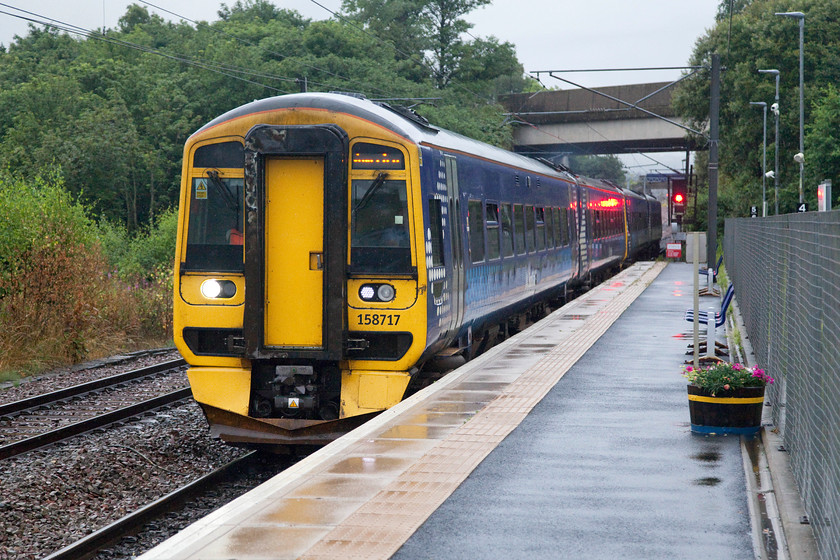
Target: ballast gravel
{"points": [[52, 497]]}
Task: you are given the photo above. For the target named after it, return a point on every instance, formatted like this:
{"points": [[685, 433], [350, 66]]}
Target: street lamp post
{"points": [[801, 155], [763, 106], [775, 109]]}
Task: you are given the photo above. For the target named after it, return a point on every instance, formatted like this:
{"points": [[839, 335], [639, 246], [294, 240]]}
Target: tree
{"points": [[444, 28], [761, 40], [114, 118], [414, 27], [607, 167], [822, 138]]}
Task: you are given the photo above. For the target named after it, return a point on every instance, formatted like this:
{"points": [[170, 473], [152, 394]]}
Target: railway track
{"points": [[172, 502], [45, 419]]}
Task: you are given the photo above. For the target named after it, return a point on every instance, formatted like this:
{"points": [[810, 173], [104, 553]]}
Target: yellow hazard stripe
{"points": [[726, 400]]}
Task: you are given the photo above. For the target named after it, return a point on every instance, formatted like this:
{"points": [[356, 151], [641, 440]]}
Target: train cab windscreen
{"points": [[215, 235], [379, 241], [215, 241]]}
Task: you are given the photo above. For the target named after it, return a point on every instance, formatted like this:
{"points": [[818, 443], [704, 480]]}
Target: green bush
{"points": [[61, 299], [143, 254], [48, 283]]}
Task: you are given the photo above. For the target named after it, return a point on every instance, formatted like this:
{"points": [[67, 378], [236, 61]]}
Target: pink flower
{"points": [[726, 387], [737, 367]]}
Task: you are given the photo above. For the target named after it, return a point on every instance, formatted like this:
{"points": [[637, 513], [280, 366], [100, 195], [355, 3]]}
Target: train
{"points": [[331, 249]]}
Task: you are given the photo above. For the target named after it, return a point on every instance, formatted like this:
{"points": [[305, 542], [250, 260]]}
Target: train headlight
{"points": [[218, 289], [385, 292], [377, 292]]}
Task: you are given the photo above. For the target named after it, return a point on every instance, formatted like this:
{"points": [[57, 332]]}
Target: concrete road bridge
{"points": [[580, 121]]}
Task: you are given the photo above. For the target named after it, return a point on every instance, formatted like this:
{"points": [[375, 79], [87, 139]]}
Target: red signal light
{"points": [[679, 198]]}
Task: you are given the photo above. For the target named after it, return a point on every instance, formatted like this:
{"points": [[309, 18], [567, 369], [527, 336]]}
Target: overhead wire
{"points": [[227, 70], [267, 51], [236, 72]]}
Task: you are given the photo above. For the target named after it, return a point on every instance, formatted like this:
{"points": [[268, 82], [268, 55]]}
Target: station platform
{"points": [[570, 440]]}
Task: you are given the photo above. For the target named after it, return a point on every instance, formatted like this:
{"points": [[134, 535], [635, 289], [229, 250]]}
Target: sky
{"points": [[547, 34]]}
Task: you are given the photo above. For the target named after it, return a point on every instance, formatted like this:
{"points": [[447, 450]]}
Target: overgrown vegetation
{"points": [[63, 298]]}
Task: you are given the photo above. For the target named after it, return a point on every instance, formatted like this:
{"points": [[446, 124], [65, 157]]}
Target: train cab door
{"points": [[295, 241], [294, 252]]}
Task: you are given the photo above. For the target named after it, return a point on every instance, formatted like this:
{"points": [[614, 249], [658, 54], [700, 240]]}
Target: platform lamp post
{"points": [[775, 108], [800, 157], [763, 106]]}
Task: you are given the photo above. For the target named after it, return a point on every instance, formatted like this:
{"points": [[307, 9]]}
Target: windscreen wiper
{"points": [[377, 183], [230, 201]]}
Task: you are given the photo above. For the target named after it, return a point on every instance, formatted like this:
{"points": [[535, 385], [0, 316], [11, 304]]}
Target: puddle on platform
{"points": [[707, 481], [707, 456], [574, 317]]}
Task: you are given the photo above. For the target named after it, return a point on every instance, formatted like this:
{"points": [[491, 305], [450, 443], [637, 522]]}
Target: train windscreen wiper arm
{"points": [[377, 183]]}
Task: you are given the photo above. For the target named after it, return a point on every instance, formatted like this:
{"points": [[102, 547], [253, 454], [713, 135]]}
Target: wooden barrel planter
{"points": [[737, 411]]}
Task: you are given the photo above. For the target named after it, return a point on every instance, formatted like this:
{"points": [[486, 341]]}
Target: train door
{"points": [[458, 286], [583, 230], [295, 242], [294, 252]]}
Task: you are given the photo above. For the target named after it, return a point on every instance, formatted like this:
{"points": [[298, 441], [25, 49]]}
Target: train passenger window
{"points": [[506, 218], [530, 230], [436, 231], [379, 238], [215, 232], [562, 236], [475, 221], [551, 228], [561, 228], [540, 216], [519, 225], [491, 212], [572, 231]]}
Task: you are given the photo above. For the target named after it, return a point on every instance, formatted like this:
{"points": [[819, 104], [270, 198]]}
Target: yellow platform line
{"points": [[726, 400], [381, 526]]}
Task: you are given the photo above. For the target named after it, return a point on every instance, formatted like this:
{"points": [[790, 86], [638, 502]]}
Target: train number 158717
{"points": [[378, 319]]}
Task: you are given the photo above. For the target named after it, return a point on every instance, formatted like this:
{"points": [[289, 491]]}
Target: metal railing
{"points": [[786, 271]]}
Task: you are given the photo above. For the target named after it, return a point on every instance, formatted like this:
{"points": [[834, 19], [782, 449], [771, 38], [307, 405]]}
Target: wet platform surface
{"points": [[570, 440]]}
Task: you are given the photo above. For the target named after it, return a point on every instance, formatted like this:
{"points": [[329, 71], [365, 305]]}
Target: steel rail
{"points": [[82, 388], [71, 430], [110, 534]]}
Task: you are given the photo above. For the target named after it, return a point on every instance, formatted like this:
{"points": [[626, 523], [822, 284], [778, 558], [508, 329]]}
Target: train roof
{"points": [[396, 119]]}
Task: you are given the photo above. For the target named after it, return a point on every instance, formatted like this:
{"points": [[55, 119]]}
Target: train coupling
{"points": [[295, 391]]}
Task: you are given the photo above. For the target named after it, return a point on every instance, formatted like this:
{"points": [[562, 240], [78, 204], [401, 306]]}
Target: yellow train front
{"points": [[329, 246], [293, 338]]}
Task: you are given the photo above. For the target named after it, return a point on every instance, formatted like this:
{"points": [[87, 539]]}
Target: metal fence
{"points": [[786, 271]]}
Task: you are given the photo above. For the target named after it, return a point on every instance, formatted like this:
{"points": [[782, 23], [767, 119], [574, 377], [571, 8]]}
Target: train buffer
{"points": [[569, 440]]}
